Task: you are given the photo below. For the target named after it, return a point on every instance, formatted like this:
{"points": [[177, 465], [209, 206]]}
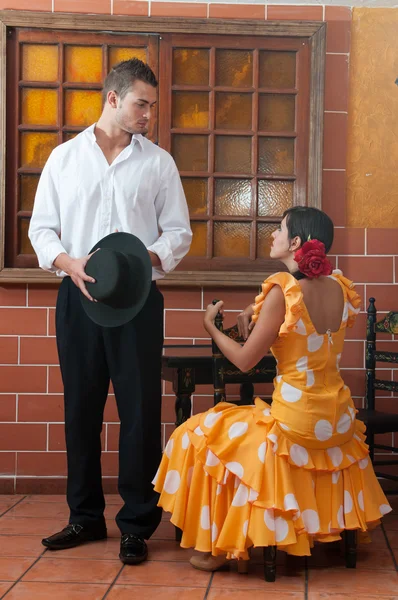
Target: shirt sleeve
{"points": [[45, 224], [173, 220]]}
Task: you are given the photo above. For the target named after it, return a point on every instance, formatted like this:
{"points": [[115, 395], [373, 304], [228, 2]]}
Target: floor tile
{"points": [[165, 531], [113, 499], [62, 591], [358, 581], [245, 594], [168, 550], [128, 592], [369, 556], [286, 580], [102, 550], [157, 573], [11, 568], [391, 522], [21, 545], [28, 526], [46, 498], [7, 502], [73, 570], [54, 510], [4, 586], [347, 596]]}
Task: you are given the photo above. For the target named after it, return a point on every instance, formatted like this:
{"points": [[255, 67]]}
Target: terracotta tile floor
{"points": [[93, 572]]}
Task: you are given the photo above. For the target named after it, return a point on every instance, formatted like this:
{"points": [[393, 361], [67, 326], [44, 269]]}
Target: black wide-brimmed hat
{"points": [[122, 271]]}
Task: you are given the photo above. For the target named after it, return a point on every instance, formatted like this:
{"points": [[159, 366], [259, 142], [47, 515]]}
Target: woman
{"points": [[296, 472]]}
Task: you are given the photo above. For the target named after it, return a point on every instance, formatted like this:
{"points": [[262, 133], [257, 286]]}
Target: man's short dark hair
{"points": [[123, 75]]}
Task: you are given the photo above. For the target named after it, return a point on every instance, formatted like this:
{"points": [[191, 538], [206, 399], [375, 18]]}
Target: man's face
{"points": [[134, 112]]}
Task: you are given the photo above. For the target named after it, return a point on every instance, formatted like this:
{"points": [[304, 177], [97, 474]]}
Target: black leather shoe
{"points": [[133, 549], [74, 535]]}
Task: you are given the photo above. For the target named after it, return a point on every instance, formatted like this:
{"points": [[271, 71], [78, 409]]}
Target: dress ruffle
{"points": [[353, 300]]}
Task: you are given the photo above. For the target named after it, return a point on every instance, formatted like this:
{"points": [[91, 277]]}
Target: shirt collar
{"points": [[136, 137]]}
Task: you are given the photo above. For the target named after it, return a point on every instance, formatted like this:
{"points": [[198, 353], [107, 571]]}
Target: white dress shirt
{"points": [[81, 198]]}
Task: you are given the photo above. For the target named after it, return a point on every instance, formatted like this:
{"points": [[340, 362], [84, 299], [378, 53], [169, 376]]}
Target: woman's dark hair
{"points": [[123, 75]]}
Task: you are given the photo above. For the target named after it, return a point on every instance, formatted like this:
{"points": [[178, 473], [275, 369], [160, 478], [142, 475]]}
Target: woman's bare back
{"points": [[324, 300]]}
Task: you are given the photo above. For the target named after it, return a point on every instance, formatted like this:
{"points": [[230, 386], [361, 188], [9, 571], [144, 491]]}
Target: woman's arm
{"points": [[262, 337]]}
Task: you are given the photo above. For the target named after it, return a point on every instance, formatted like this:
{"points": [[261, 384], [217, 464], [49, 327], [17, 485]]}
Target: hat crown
{"points": [[111, 270]]}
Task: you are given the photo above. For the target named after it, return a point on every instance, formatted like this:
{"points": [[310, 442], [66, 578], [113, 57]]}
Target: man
{"points": [[111, 178]]}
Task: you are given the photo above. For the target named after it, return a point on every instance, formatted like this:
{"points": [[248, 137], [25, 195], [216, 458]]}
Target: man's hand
{"points": [[74, 267], [244, 322]]}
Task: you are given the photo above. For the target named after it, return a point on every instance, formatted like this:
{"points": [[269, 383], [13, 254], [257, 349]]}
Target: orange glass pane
{"points": [[190, 66], [190, 152], [234, 68], [233, 154], [196, 195], [39, 62], [276, 112], [191, 110], [274, 197], [24, 245], [69, 136], [27, 191], [276, 156], [233, 197], [277, 69], [116, 54], [83, 64], [82, 107], [39, 107], [36, 147], [264, 239], [233, 111], [232, 239], [199, 240]]}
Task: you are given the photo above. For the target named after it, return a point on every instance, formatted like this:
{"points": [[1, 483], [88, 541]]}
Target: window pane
{"points": [[82, 107], [39, 107], [27, 191], [234, 68], [83, 64], [199, 240], [116, 55], [24, 245], [190, 67], [276, 112], [196, 195], [277, 69], [233, 111], [190, 110], [233, 154], [190, 152], [274, 197], [276, 156], [36, 148], [39, 62], [233, 197], [232, 240], [264, 239], [69, 136]]}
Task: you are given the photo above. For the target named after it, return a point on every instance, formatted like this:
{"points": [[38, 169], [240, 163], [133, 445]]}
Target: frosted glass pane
{"points": [[277, 69], [83, 64], [274, 197], [233, 197], [82, 107], [190, 66], [276, 112], [24, 245], [39, 62], [276, 156], [27, 191], [234, 68], [39, 107], [232, 240], [190, 152], [69, 136], [233, 111], [264, 239], [36, 148], [199, 240], [233, 154], [116, 55], [191, 110], [196, 195]]}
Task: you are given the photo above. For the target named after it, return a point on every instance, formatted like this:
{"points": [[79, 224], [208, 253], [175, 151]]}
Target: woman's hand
{"points": [[211, 313], [244, 322]]}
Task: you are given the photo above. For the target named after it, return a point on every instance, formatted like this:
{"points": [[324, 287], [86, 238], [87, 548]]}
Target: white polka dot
{"points": [[219, 489], [314, 342], [169, 448], [290, 393], [356, 437], [340, 517], [267, 412], [214, 532], [344, 423], [338, 358], [296, 516], [205, 472], [384, 509], [350, 458], [245, 528], [290, 502], [352, 412], [311, 520], [335, 455], [278, 378], [226, 475], [189, 476], [360, 500], [352, 309], [237, 429], [299, 455], [185, 441], [302, 364], [300, 327], [198, 431], [323, 430], [211, 459], [269, 518], [348, 503], [242, 495], [281, 529], [236, 483], [283, 426], [172, 482], [235, 468], [272, 438], [205, 517], [363, 463], [154, 480], [310, 378], [261, 451], [345, 312], [336, 476], [211, 419], [253, 495]]}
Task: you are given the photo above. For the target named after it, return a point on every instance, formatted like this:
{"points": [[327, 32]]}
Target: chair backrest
{"points": [[389, 324]]}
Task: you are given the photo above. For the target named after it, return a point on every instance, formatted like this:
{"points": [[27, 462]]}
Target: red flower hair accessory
{"points": [[312, 260]]}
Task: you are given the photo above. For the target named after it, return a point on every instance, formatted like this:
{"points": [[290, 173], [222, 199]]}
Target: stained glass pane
{"points": [[276, 112], [277, 69], [190, 66], [190, 152], [116, 54], [36, 148], [232, 197], [276, 156], [196, 195], [264, 239], [199, 240], [232, 239], [191, 110], [233, 111], [82, 107], [233, 154], [39, 107], [234, 68], [27, 191], [24, 245], [274, 197], [83, 64], [39, 62]]}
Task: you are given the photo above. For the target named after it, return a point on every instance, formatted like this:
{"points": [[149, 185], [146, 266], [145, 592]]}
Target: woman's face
{"points": [[280, 248]]}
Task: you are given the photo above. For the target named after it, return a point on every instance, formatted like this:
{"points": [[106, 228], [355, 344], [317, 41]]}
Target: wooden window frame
{"points": [[313, 32]]}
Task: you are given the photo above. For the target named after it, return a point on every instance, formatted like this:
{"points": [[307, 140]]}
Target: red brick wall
{"points": [[32, 450]]}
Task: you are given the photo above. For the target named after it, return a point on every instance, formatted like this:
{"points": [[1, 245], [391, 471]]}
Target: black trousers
{"points": [[90, 356]]}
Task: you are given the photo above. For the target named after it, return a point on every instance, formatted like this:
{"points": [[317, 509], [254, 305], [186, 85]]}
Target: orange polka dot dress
{"points": [[287, 474]]}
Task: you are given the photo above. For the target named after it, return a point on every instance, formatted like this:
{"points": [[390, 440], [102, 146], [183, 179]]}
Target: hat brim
{"points": [[105, 315]]}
